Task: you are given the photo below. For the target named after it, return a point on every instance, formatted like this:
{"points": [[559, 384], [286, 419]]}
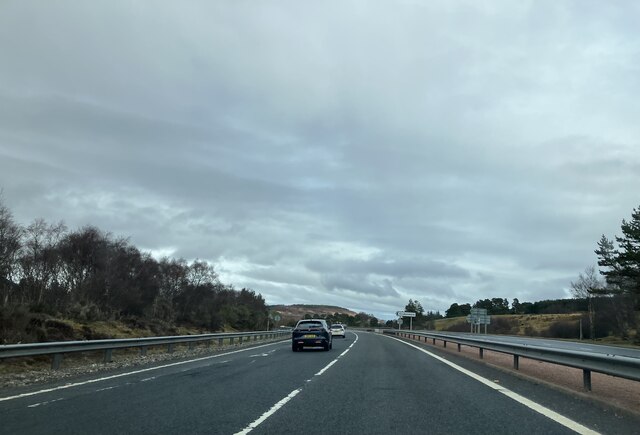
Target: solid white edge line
{"points": [[558, 418], [254, 424], [106, 378]]}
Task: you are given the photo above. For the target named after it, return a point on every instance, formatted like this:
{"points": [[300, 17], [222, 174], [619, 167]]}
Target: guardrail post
{"points": [[459, 346], [143, 350], [170, 348], [208, 343], [586, 379], [516, 362], [445, 343], [191, 345], [240, 339], [434, 341], [220, 341], [255, 338], [55, 361], [230, 340], [481, 353], [107, 355]]}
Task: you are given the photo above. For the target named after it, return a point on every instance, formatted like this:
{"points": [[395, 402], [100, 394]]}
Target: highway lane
{"points": [[379, 385], [215, 395], [388, 387]]}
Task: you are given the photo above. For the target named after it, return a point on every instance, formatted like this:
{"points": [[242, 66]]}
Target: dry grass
{"points": [[537, 322], [93, 330]]}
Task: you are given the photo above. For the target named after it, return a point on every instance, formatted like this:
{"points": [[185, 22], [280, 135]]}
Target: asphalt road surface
{"points": [[367, 384]]}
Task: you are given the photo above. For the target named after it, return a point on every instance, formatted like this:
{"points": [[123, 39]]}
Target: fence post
{"points": [[55, 361], [586, 379]]}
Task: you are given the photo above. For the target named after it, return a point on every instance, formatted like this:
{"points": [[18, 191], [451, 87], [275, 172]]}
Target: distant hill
{"points": [[297, 312]]}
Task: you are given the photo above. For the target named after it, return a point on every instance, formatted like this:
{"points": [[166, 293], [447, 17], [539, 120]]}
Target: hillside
{"points": [[516, 324], [290, 313]]}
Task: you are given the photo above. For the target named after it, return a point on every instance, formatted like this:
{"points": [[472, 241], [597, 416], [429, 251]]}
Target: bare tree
{"points": [[10, 244], [39, 260], [173, 276], [588, 285], [200, 272]]}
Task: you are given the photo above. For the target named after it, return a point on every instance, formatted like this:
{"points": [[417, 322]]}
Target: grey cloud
{"points": [[341, 282], [470, 152], [396, 268]]}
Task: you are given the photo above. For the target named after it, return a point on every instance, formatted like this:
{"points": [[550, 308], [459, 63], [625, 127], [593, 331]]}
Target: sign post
{"points": [[408, 314], [477, 317]]}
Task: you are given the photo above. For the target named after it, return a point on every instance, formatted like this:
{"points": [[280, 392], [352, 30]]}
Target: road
{"points": [[368, 383]]}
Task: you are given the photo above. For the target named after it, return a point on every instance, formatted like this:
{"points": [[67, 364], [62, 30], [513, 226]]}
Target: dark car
{"points": [[311, 333]]}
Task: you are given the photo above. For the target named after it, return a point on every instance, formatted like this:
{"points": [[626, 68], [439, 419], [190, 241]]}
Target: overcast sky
{"points": [[351, 153]]}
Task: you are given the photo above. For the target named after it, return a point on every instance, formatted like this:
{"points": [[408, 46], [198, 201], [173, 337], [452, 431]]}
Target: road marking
{"points": [[106, 378], [269, 413], [35, 405], [254, 424], [558, 418], [107, 388], [336, 360]]}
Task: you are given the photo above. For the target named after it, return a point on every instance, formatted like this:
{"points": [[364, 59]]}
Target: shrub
{"points": [[501, 325], [90, 334], [58, 330], [458, 327], [563, 329]]}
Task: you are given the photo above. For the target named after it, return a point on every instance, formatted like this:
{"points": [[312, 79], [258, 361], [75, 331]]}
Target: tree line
{"points": [[359, 320], [610, 295], [497, 306], [619, 261], [88, 274]]}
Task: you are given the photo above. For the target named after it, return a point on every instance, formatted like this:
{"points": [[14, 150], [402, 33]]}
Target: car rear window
{"points": [[309, 325]]}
